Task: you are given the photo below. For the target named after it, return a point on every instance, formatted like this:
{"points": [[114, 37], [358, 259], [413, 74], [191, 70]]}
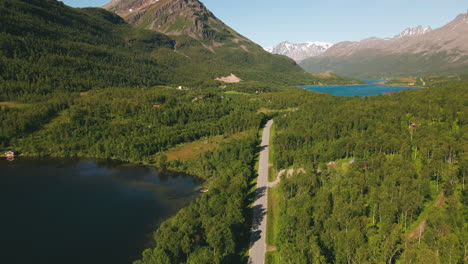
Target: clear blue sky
{"points": [[269, 22]]}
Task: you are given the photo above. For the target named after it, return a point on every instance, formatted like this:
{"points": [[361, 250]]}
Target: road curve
{"points": [[258, 237]]}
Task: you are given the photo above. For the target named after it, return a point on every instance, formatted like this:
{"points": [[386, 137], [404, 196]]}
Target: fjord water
{"points": [[84, 211], [369, 89]]}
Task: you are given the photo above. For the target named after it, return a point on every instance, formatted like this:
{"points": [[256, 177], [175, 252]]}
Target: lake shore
{"points": [[369, 89]]}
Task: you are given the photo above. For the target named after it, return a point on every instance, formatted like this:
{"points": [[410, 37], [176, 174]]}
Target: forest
{"points": [[119, 123], [50, 53], [384, 179], [216, 227]]}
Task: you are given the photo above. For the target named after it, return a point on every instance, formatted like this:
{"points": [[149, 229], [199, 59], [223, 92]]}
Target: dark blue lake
{"points": [[358, 90], [84, 211]]}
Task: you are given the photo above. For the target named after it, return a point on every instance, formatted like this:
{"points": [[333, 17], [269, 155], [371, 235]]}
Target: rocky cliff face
{"points": [[173, 17]]}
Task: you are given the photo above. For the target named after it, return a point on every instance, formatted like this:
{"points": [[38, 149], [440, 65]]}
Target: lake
{"points": [[359, 89], [84, 211]]}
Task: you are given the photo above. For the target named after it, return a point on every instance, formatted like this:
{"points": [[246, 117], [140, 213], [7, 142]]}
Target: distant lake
{"points": [[359, 89], [84, 211]]}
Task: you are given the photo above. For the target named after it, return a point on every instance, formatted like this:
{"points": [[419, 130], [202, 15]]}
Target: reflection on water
{"points": [[84, 211]]}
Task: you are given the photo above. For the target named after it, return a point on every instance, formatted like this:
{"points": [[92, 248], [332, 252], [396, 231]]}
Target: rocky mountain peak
{"points": [[462, 18], [172, 17], [417, 31], [300, 51], [124, 8]]}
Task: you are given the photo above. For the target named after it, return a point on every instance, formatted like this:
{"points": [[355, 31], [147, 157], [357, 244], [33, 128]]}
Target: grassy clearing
{"points": [[14, 105], [271, 155], [272, 220], [190, 150], [269, 111], [272, 256], [272, 212], [236, 93], [266, 111]]}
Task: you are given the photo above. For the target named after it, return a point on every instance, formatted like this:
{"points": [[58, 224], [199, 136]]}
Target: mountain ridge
{"points": [[175, 18], [205, 43], [446, 47], [300, 51], [416, 31], [48, 47]]}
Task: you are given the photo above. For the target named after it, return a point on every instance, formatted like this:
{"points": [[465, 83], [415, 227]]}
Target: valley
{"points": [[167, 88]]}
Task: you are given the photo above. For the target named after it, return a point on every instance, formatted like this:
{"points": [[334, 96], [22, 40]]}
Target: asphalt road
{"points": [[258, 238]]}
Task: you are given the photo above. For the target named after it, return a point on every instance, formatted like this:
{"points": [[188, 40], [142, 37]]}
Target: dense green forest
{"points": [[384, 180], [134, 126], [214, 228], [384, 175], [46, 46], [49, 53], [369, 66]]}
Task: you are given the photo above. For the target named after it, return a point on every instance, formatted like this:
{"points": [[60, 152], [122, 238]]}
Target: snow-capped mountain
{"points": [[301, 51], [417, 31], [416, 51]]}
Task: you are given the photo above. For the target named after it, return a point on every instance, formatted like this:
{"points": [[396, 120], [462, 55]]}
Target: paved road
{"points": [[258, 237]]}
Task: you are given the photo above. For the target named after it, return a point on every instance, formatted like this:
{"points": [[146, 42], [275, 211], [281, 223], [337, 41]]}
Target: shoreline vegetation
{"points": [[81, 82]]}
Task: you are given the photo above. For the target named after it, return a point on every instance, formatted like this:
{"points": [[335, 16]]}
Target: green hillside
{"points": [[46, 46], [370, 65], [49, 53]]}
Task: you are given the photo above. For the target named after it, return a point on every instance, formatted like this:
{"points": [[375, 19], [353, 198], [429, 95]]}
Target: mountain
{"points": [[299, 52], [46, 46], [204, 45], [417, 51], [174, 18], [417, 31]]}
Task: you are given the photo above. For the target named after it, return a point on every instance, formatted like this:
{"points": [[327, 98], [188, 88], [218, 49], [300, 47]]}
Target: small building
{"points": [[11, 154], [413, 125]]}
